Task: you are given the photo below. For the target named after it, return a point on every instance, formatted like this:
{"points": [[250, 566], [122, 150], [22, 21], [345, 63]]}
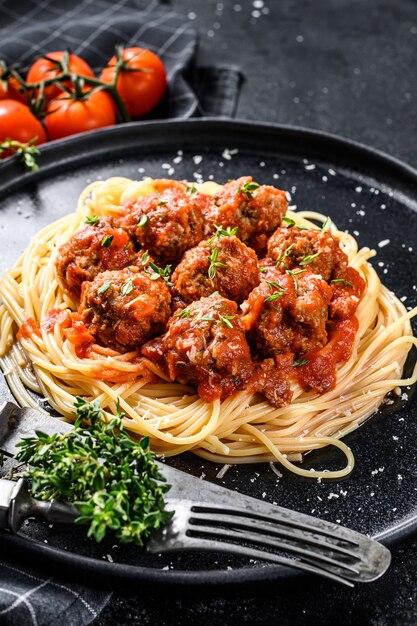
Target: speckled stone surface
{"points": [[347, 67]]}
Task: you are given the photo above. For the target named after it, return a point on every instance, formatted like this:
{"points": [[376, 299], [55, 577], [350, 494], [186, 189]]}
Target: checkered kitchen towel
{"points": [[91, 28]]}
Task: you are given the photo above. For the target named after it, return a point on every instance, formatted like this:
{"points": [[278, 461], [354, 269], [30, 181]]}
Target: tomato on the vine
{"points": [[48, 66], [9, 90], [67, 115], [140, 90], [18, 123]]}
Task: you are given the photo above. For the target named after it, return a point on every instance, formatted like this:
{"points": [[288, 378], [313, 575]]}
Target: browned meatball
{"points": [[166, 224], [295, 247], [125, 308], [222, 264], [205, 345], [288, 313], [256, 210], [92, 250]]}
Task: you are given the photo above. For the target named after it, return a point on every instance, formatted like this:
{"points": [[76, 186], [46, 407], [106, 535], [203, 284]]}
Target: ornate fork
{"points": [[209, 517]]}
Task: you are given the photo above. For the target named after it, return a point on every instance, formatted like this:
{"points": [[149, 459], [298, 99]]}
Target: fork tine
{"points": [[310, 526], [248, 537], [211, 545], [271, 528]]}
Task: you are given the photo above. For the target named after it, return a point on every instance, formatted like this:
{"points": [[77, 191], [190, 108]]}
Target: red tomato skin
{"points": [[12, 91], [140, 91], [18, 122], [66, 117], [43, 69]]}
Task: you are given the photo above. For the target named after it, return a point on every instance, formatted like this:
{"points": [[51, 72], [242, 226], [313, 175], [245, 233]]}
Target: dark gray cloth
{"points": [[91, 28]]}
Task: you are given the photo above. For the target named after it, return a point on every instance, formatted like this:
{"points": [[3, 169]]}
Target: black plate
{"points": [[364, 191]]}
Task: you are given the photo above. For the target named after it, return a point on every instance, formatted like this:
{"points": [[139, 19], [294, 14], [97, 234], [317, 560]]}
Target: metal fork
{"points": [[211, 518]]}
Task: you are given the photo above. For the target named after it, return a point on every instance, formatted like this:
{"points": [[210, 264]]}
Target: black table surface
{"points": [[348, 67]]}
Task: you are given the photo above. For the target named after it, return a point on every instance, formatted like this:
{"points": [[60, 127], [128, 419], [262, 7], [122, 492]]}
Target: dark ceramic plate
{"points": [[364, 191]]}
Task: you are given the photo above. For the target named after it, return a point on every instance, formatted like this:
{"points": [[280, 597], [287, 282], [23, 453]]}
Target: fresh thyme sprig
{"points": [[214, 263], [158, 272], [223, 232], [248, 188], [112, 479], [27, 152], [283, 255], [341, 281]]}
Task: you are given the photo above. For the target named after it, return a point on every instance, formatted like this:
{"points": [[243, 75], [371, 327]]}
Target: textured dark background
{"points": [[348, 67]]}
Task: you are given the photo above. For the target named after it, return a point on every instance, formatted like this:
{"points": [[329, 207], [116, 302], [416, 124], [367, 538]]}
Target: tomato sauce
{"points": [[55, 316], [79, 336], [319, 374], [29, 327]]}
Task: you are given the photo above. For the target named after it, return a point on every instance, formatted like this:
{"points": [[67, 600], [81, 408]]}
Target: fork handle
{"points": [[20, 505]]}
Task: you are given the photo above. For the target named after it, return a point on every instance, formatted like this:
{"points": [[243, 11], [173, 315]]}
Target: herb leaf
{"points": [[127, 287], [143, 220], [327, 225], [144, 258], [191, 191], [104, 287], [309, 259], [158, 272], [184, 314], [341, 281], [300, 363], [225, 319], [112, 479], [214, 263], [275, 296], [224, 232], [92, 220], [107, 241], [248, 188]]}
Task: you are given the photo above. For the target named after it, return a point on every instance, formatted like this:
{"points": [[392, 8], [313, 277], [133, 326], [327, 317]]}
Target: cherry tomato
{"points": [[44, 68], [67, 116], [11, 90], [140, 91], [17, 122]]}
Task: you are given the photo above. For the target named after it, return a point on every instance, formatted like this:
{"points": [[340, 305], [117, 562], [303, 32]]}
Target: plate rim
{"points": [[93, 142]]}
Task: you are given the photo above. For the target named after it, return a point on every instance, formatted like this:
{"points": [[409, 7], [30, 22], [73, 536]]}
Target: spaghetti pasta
{"points": [[243, 428]]}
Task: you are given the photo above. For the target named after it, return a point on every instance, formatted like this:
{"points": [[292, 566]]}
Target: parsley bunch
{"points": [[112, 479]]}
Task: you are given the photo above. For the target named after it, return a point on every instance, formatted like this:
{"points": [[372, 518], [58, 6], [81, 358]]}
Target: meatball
{"points": [[348, 287], [255, 210], [91, 250], [123, 309], [205, 345], [223, 264], [288, 313], [316, 250], [166, 224]]}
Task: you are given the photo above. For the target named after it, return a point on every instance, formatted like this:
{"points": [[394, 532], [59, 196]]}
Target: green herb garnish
{"points": [[342, 281], [300, 363], [327, 225], [214, 263], [92, 220], [104, 287], [144, 258], [248, 188], [309, 259], [158, 272], [191, 191], [27, 152], [107, 241], [161, 202], [274, 285], [275, 296], [224, 232], [225, 319], [143, 220], [207, 319], [184, 314], [127, 287], [283, 255], [112, 479], [291, 223]]}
